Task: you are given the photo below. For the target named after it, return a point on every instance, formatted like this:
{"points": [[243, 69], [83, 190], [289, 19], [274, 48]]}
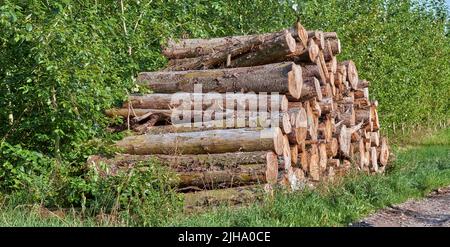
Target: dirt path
{"points": [[433, 210]]}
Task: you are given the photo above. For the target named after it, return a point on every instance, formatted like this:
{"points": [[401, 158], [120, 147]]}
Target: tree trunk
{"points": [[212, 141], [284, 78]]}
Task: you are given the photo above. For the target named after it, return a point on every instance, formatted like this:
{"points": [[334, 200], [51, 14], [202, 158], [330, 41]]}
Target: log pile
{"points": [[236, 115]]}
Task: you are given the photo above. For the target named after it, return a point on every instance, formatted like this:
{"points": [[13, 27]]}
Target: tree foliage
{"points": [[63, 62]]}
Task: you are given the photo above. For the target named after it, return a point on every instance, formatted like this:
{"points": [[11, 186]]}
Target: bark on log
{"points": [[240, 176], [313, 70], [268, 52], [199, 162], [203, 101], [213, 141], [284, 78], [275, 42], [232, 196], [188, 48]]}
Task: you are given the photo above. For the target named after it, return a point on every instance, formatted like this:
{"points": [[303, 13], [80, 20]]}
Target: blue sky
{"points": [[448, 4]]}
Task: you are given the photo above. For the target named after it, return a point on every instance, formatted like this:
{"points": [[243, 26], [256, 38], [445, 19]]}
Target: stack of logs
{"points": [[320, 121]]}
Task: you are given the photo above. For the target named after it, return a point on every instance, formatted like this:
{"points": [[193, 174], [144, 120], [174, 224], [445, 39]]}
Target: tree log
{"points": [[268, 52], [313, 70], [188, 48], [203, 101], [242, 175], [274, 42], [310, 89], [300, 55], [299, 126], [232, 196], [332, 37], [284, 78], [212, 141]]}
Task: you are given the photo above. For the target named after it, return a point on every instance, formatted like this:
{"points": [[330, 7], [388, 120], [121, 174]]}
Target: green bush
{"points": [[63, 62]]}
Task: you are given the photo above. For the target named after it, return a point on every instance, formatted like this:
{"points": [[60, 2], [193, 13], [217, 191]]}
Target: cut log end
{"points": [[384, 153], [295, 81], [313, 51], [272, 168], [290, 42], [286, 153], [278, 141], [302, 34]]}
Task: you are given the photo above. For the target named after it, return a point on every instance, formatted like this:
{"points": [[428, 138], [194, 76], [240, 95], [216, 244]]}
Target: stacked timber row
{"points": [[234, 116]]}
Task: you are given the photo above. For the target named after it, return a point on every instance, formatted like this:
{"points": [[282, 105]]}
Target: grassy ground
{"points": [[419, 167]]}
